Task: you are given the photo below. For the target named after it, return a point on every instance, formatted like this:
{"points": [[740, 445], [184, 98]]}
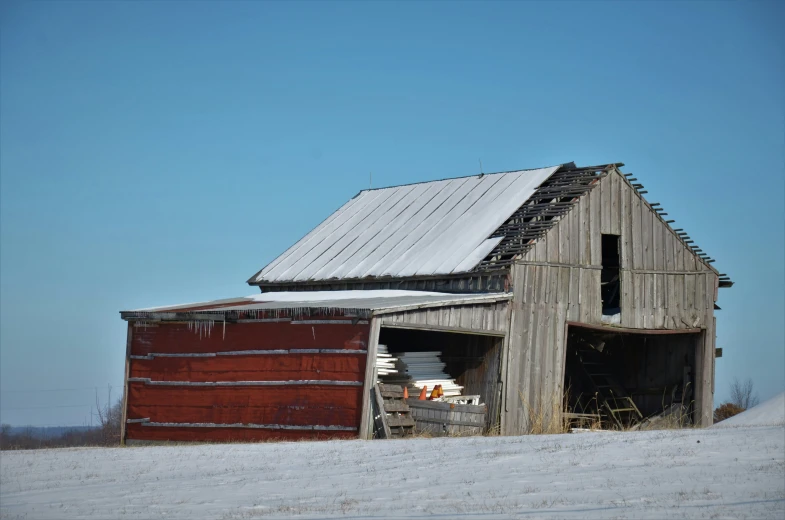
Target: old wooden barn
{"points": [[548, 294]]}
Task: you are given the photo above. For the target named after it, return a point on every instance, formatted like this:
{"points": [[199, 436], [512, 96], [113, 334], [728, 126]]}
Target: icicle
{"points": [[224, 336]]}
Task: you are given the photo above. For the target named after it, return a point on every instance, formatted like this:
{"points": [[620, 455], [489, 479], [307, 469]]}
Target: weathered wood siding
{"points": [[664, 285], [492, 317], [247, 381], [482, 377]]}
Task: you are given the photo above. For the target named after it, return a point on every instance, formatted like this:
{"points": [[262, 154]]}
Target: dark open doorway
{"points": [[625, 378], [473, 360], [610, 275]]}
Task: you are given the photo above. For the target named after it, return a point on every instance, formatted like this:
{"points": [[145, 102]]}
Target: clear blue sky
{"points": [[163, 152]]}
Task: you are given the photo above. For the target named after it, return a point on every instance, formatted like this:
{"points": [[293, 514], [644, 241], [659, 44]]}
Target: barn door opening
{"points": [[621, 380], [473, 361]]}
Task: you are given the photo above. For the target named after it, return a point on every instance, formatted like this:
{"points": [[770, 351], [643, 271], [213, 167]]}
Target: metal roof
{"points": [[430, 228], [373, 300]]}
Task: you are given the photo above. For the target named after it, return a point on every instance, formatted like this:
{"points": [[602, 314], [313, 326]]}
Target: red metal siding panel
{"points": [[148, 433], [268, 367], [299, 406], [178, 338], [285, 405]]}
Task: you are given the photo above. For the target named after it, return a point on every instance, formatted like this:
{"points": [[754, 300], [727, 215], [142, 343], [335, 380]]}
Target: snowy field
{"points": [[734, 472]]}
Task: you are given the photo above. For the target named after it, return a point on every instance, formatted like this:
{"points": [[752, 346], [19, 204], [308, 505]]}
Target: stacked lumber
{"points": [[421, 369], [385, 363]]}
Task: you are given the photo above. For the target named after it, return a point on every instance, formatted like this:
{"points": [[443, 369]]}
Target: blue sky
{"points": [[163, 152]]}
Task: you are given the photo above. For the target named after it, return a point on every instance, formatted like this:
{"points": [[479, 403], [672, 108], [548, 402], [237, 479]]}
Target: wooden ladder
{"points": [[610, 393], [396, 418]]}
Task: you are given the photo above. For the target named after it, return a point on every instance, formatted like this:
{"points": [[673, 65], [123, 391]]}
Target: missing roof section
{"points": [[553, 199]]}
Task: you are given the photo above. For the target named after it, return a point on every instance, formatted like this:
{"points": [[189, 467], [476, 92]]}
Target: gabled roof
{"points": [[474, 224], [430, 228]]}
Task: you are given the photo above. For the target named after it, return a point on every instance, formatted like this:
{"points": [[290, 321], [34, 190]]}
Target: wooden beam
{"points": [[556, 264], [472, 300], [622, 330], [370, 379], [125, 383], [442, 328]]}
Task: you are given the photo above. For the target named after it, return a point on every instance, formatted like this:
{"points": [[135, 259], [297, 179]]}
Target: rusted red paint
{"points": [[289, 405], [151, 433], [178, 338], [265, 367]]}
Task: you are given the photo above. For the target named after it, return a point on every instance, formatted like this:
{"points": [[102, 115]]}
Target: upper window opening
{"points": [[609, 278]]}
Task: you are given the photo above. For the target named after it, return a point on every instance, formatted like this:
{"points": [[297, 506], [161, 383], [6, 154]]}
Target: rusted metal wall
{"points": [[247, 381], [664, 286]]}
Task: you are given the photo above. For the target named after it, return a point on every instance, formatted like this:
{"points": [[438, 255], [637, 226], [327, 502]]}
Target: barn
{"points": [[552, 294]]}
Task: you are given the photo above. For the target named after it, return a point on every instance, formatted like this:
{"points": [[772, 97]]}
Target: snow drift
{"points": [[768, 413]]}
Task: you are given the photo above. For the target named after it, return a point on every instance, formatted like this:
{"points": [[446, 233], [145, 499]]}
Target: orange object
{"points": [[441, 392], [405, 392], [435, 392], [423, 393]]}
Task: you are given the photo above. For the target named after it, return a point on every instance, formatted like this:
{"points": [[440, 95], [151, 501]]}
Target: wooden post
{"points": [[370, 378], [704, 375], [129, 336], [380, 405]]}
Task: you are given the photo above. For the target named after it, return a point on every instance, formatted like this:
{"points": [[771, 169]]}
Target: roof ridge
{"points": [[465, 177]]}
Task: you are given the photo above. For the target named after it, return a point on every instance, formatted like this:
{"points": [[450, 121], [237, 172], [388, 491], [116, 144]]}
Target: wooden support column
{"points": [[370, 379], [129, 337], [704, 375]]}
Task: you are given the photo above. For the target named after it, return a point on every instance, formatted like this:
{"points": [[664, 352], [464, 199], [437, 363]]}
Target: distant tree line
{"points": [[107, 433], [742, 397]]}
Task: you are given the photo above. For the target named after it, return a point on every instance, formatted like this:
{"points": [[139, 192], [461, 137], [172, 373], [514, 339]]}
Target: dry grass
{"points": [[545, 417]]}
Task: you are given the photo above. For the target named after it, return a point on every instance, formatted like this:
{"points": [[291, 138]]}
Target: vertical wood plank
{"points": [[595, 211], [124, 419], [564, 236], [670, 301], [605, 211], [657, 247], [626, 227], [574, 240], [541, 249], [559, 346], [637, 250], [524, 399], [669, 251], [615, 218], [646, 236], [370, 379], [689, 293], [553, 244]]}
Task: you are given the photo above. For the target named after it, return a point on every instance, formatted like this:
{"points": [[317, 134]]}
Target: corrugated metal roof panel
{"points": [[430, 228], [358, 299]]}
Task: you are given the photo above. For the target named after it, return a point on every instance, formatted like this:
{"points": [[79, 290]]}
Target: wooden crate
{"points": [[439, 418]]}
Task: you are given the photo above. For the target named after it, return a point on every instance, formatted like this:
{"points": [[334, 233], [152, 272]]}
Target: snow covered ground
{"points": [[713, 473]]}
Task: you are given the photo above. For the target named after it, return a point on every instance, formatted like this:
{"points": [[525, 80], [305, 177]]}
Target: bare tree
{"points": [[742, 394], [110, 417]]}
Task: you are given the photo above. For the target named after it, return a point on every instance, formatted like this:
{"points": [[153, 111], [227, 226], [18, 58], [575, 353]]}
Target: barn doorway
{"points": [[630, 380], [472, 360]]}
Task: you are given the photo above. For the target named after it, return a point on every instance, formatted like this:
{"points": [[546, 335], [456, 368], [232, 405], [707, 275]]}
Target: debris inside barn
{"points": [[539, 299]]}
